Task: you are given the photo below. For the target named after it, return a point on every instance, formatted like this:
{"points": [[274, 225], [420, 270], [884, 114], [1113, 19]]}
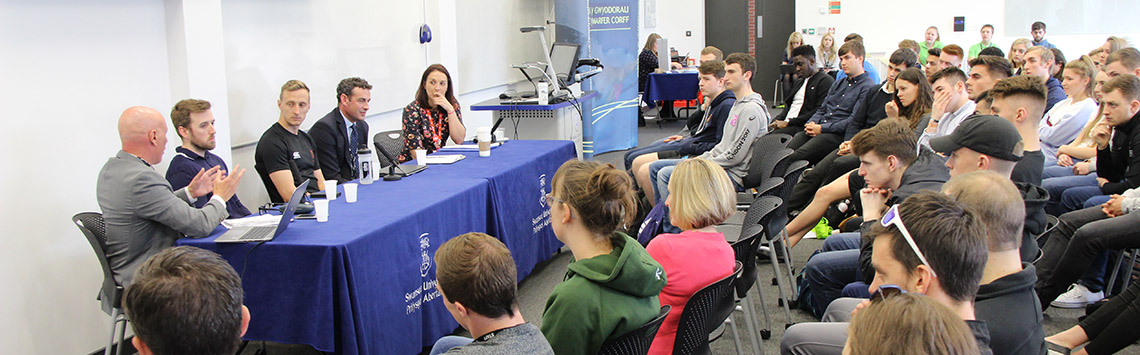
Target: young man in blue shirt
{"points": [[827, 127], [1038, 32], [195, 124]]}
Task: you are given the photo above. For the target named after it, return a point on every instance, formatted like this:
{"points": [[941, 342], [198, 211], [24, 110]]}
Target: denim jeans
{"points": [[835, 266], [658, 146], [1058, 185]]}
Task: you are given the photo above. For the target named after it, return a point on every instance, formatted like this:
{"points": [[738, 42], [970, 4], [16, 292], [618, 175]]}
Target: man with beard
{"points": [[195, 124]]}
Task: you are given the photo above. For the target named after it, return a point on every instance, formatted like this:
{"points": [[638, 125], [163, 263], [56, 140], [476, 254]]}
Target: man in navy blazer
{"points": [[334, 134]]}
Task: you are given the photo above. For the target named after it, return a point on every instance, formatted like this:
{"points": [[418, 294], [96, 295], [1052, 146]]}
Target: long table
{"points": [[364, 282]]}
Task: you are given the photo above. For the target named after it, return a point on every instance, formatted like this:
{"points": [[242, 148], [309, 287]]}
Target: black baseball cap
{"points": [[987, 134]]}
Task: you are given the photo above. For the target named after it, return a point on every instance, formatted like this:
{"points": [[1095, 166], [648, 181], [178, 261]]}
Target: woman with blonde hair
{"points": [[931, 39], [612, 283], [794, 40], [1017, 54], [908, 323], [1063, 123], [1110, 45], [700, 197], [828, 59]]}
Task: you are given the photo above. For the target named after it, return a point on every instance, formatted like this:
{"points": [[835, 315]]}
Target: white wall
{"points": [[884, 23], [674, 18]]}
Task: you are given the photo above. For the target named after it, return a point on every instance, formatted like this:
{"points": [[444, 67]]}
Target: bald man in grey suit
{"points": [[142, 213]]}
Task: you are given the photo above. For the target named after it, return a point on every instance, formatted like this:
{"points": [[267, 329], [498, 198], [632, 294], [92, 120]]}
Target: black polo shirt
{"points": [[278, 149]]}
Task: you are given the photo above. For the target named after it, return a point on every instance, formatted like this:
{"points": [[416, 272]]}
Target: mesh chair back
{"points": [[791, 176], [775, 220], [93, 227], [765, 163], [391, 142], [745, 251], [636, 342], [759, 208], [706, 310]]}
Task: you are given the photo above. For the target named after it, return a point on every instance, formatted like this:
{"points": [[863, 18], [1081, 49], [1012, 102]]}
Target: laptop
{"points": [[266, 233]]}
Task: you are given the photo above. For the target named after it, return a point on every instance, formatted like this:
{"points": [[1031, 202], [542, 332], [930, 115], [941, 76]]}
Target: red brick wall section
{"points": [[752, 27]]}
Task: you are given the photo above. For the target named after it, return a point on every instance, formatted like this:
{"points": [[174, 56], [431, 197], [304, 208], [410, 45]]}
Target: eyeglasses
{"points": [[886, 291], [550, 199], [892, 218]]}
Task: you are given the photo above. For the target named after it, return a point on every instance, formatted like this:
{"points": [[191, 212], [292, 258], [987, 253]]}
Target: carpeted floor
{"points": [[534, 290]]}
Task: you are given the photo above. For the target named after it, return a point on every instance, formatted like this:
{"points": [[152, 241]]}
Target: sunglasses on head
{"points": [[892, 218], [886, 291]]}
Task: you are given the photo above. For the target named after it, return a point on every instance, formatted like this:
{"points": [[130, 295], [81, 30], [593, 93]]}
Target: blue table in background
{"points": [[672, 86], [364, 282]]}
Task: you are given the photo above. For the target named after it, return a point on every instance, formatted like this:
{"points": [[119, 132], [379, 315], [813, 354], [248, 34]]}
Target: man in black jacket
{"points": [[342, 131], [810, 90]]}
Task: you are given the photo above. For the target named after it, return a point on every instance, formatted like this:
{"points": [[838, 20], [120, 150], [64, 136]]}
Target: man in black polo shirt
{"points": [[285, 157], [342, 131]]}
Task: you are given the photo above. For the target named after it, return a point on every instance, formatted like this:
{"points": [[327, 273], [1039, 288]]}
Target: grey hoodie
{"points": [[747, 120]]}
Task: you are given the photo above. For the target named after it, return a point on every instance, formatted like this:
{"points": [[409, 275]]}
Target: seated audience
{"points": [[1017, 54], [434, 116], [1062, 123], [700, 198], [951, 56], [794, 40], [1021, 101], [749, 119], [1039, 63], [343, 130], [870, 112], [932, 66], [186, 300], [1075, 159], [1058, 64], [143, 215], [911, 45], [992, 51], [1005, 299], [195, 125], [1112, 44], [828, 59], [477, 278], [1124, 61], [931, 40], [898, 320], [987, 33], [709, 54], [1107, 331], [985, 71], [992, 143], [706, 135], [912, 98], [1037, 30], [824, 131], [951, 104], [285, 156], [941, 253], [871, 71], [612, 283], [807, 94]]}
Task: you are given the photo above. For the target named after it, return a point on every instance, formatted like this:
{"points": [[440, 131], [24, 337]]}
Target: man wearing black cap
{"points": [[1005, 300]]}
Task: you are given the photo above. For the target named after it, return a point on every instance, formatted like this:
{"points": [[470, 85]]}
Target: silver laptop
{"points": [[266, 233]]}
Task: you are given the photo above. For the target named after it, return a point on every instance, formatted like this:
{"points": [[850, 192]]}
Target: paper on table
{"points": [[467, 147], [442, 158], [252, 221]]}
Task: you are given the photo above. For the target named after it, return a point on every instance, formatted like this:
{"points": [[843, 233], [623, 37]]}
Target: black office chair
{"points": [[1117, 266], [769, 211], [391, 142], [707, 309], [636, 342], [744, 248], [769, 157], [92, 226]]}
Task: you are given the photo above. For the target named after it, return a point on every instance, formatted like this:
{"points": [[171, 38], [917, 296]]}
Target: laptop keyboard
{"points": [[259, 232]]}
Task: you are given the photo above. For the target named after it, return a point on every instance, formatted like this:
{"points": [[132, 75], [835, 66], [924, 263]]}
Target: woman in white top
{"points": [[1063, 123], [1077, 158]]}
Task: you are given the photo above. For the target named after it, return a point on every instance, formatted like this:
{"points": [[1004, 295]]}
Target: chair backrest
{"points": [[707, 309], [768, 211], [391, 142], [92, 226], [636, 342], [792, 175], [745, 249], [765, 164], [761, 148]]}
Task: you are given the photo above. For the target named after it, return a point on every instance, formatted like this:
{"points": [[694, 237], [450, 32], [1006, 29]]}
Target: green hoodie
{"points": [[603, 297]]}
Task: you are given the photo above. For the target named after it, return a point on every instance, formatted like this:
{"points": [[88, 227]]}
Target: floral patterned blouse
{"points": [[424, 129]]}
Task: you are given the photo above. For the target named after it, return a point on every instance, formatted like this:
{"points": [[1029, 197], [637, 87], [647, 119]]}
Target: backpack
{"points": [[651, 227]]}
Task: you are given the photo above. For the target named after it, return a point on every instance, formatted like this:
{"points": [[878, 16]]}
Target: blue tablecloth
{"points": [[672, 86], [364, 282]]}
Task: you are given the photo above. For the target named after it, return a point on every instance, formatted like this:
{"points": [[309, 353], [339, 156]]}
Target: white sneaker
{"points": [[1078, 296]]}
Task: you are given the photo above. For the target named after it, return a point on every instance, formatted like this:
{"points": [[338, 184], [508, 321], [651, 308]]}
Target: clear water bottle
{"points": [[364, 165]]}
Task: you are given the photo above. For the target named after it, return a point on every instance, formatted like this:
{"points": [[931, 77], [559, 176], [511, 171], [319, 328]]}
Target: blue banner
{"points": [[607, 30]]}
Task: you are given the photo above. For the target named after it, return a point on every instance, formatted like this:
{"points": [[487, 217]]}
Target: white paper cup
{"points": [[420, 154], [330, 189], [350, 192], [500, 135], [322, 207]]}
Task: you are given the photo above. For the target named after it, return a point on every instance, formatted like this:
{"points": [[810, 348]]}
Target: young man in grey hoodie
{"points": [[747, 120]]}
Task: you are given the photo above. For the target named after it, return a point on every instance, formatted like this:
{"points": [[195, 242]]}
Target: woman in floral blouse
{"points": [[433, 116]]}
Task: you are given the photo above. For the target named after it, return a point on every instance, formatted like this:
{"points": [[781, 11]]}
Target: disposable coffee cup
{"points": [[330, 189], [484, 136], [500, 135], [421, 154], [322, 207], [350, 192]]}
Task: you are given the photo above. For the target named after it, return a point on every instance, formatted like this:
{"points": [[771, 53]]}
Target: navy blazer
{"points": [[331, 142]]}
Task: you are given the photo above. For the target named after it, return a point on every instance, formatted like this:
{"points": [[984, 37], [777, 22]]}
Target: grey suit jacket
{"points": [[143, 215]]}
